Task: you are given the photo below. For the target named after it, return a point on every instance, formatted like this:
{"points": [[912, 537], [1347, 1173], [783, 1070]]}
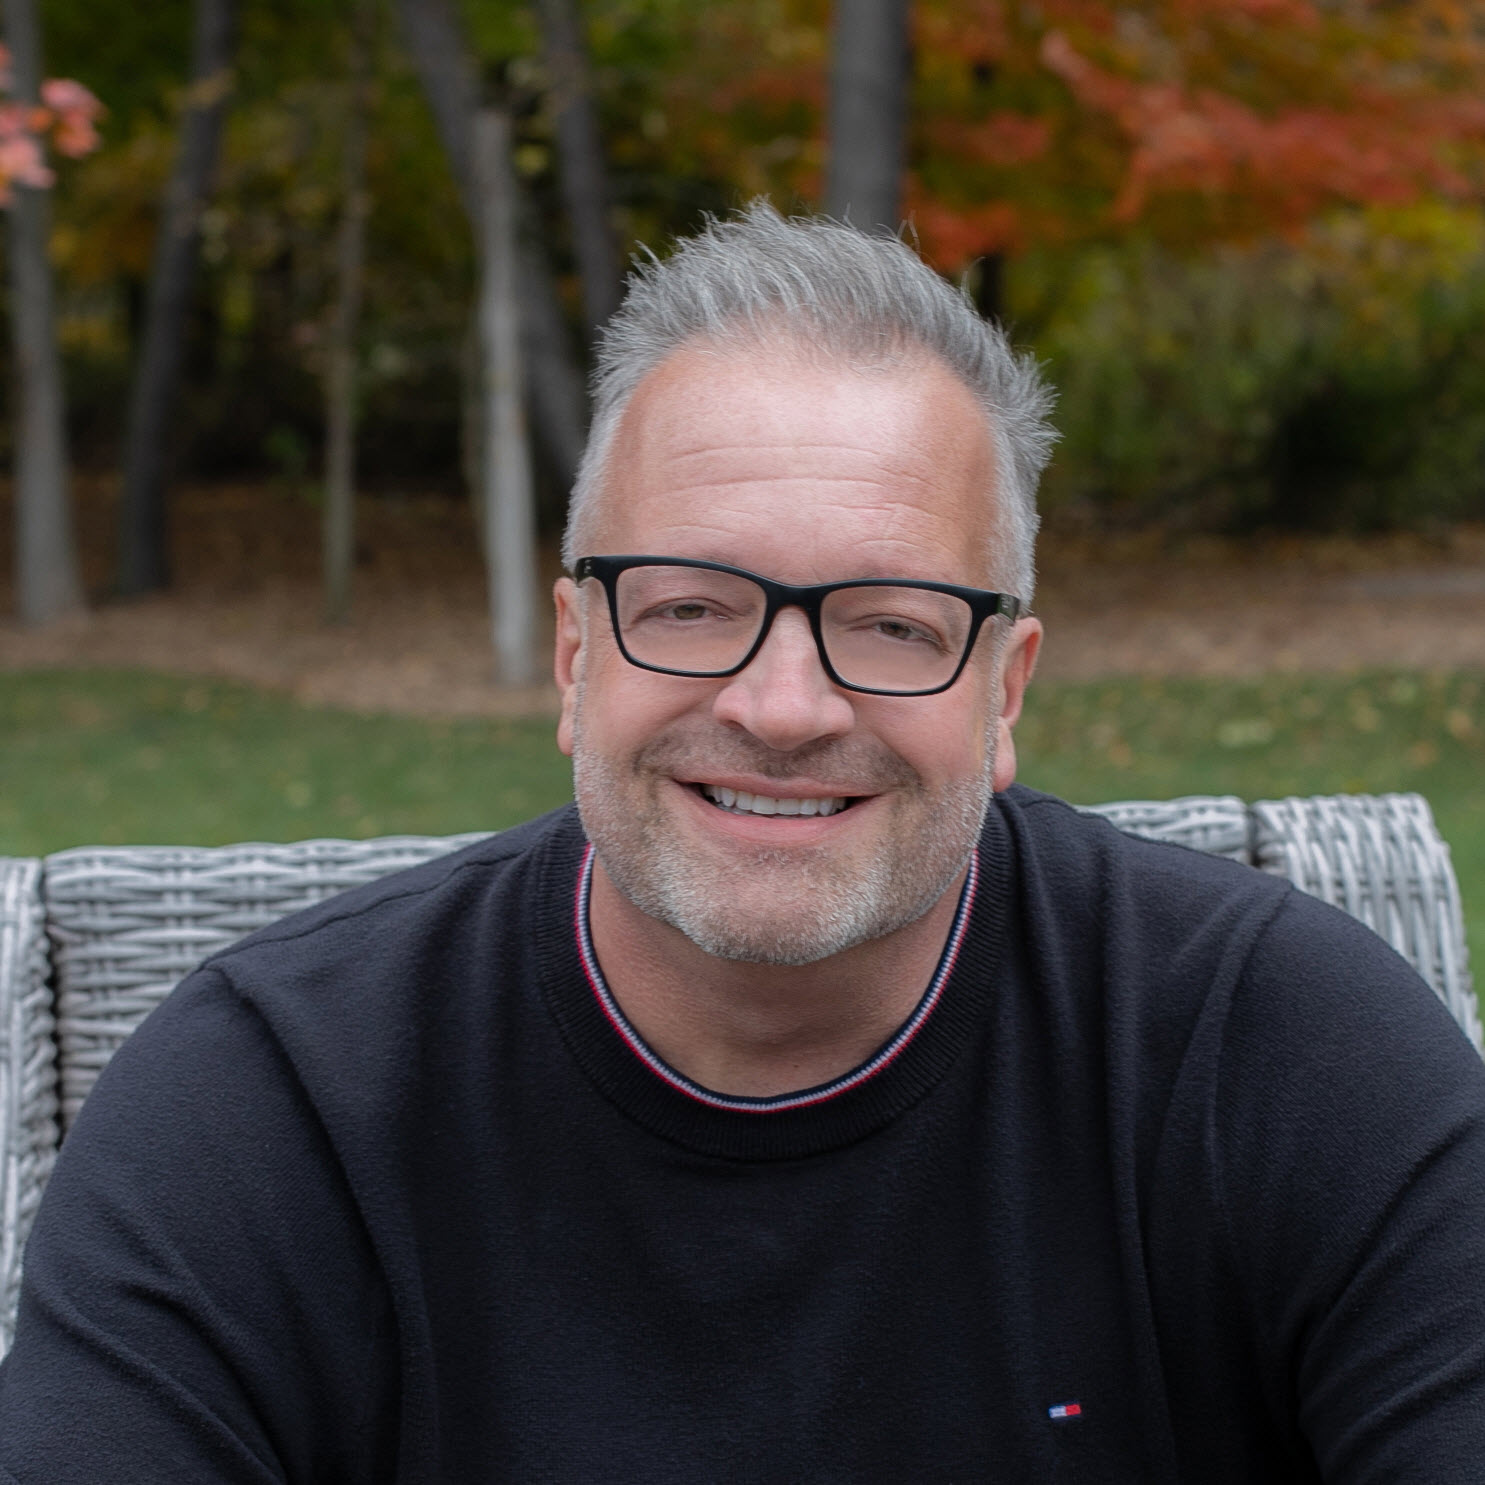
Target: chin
{"points": [[775, 944], [782, 913]]}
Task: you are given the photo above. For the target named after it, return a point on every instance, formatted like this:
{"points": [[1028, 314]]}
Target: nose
{"points": [[783, 697]]}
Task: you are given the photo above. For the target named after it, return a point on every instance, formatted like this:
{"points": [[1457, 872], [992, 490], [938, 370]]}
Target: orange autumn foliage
{"points": [[1191, 121], [66, 118]]}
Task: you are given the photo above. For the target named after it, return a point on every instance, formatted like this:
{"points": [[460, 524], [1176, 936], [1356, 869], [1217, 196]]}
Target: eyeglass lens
{"points": [[699, 621]]}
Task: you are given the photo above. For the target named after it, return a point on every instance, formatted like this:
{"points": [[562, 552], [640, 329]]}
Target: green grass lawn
{"points": [[1264, 739], [118, 757], [100, 757]]}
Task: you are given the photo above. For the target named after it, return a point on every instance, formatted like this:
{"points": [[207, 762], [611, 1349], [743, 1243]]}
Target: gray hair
{"points": [[757, 277]]}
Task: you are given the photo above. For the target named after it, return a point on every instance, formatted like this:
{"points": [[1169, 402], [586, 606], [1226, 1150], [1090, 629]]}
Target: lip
{"points": [[751, 783], [801, 830]]}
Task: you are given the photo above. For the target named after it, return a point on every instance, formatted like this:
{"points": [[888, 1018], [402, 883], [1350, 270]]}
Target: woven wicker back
{"points": [[1381, 859], [129, 922], [28, 1073], [1215, 824]]}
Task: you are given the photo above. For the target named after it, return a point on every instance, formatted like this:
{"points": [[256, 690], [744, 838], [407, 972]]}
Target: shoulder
{"points": [[375, 917], [1294, 948], [1084, 839], [1275, 993], [417, 966], [1080, 877], [1206, 956]]}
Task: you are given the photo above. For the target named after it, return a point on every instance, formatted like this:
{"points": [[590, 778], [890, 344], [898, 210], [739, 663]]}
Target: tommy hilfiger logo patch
{"points": [[1066, 1410]]}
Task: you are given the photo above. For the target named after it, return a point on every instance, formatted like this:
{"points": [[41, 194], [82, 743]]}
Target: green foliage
{"points": [[263, 294], [118, 757], [1335, 383], [132, 56]]}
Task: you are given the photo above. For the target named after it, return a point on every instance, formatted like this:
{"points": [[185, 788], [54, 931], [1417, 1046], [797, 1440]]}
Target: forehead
{"points": [[803, 467]]}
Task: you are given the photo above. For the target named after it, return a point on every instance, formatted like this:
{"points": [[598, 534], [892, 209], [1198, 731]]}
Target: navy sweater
{"points": [[1176, 1175]]}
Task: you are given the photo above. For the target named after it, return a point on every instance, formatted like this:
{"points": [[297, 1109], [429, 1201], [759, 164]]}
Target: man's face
{"points": [[805, 472]]}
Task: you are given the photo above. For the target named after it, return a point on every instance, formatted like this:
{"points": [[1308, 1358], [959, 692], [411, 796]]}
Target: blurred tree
{"points": [[340, 372], [583, 174], [478, 137], [143, 560], [447, 67], [870, 67], [47, 580], [508, 521]]}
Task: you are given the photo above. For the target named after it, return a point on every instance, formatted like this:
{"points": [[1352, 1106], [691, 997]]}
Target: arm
{"points": [[200, 1301], [1349, 1126]]}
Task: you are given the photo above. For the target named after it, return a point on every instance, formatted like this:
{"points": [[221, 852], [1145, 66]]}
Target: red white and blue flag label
{"points": [[1066, 1410]]}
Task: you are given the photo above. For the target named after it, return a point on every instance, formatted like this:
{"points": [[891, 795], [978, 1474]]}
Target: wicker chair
{"points": [[93, 939]]}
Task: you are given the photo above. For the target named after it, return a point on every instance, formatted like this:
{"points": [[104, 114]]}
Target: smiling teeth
{"points": [[739, 801]]}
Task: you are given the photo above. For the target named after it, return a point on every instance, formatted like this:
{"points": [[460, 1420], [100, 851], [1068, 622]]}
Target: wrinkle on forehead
{"points": [[762, 446], [795, 446], [683, 384], [899, 543], [681, 487]]}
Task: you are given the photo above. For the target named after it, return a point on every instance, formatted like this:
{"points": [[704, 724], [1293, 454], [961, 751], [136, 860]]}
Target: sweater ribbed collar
{"points": [[787, 1126]]}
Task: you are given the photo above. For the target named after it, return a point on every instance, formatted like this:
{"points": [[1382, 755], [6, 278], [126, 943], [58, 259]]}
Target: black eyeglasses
{"points": [[883, 636]]}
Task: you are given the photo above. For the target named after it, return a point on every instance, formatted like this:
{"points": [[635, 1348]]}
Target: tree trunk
{"points": [[584, 177], [444, 65], [446, 69], [478, 142], [143, 564], [340, 379], [507, 506], [869, 76], [557, 394], [47, 581]]}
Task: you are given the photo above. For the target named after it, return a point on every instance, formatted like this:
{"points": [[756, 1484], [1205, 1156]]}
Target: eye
{"points": [[896, 630], [902, 629], [680, 611], [675, 598], [684, 613]]}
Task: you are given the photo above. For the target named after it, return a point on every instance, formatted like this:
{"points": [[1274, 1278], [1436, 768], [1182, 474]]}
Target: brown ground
{"points": [[247, 606]]}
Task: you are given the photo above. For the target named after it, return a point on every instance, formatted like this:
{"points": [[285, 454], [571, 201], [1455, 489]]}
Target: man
{"points": [[816, 1106]]}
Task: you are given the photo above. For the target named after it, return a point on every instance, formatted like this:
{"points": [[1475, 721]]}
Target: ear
{"points": [[1017, 664], [568, 662]]}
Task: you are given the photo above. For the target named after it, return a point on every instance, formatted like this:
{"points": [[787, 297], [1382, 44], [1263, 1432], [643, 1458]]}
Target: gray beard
{"points": [[814, 912]]}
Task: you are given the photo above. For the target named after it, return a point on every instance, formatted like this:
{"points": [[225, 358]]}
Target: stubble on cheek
{"points": [[774, 905]]}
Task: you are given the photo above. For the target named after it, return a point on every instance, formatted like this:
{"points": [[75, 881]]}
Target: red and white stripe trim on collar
{"points": [[781, 1102]]}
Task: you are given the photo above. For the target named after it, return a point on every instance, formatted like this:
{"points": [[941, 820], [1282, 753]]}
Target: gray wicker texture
{"points": [[1216, 824], [129, 922], [28, 1072], [1381, 859]]}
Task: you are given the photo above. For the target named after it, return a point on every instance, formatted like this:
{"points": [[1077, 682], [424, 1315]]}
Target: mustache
{"points": [[869, 767]]}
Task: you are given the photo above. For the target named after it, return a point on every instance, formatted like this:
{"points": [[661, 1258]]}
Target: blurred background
{"points": [[301, 295]]}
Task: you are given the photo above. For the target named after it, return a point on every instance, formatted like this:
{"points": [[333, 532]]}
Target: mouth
{"points": [[740, 802]]}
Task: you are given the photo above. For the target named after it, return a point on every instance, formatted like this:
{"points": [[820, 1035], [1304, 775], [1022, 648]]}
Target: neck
{"points": [[759, 1030]]}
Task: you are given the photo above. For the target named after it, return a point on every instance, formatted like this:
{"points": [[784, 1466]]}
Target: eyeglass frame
{"points": [[810, 597]]}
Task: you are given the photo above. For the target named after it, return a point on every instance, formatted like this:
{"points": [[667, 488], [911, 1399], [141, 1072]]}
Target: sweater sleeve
{"points": [[1349, 1126], [200, 1299]]}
